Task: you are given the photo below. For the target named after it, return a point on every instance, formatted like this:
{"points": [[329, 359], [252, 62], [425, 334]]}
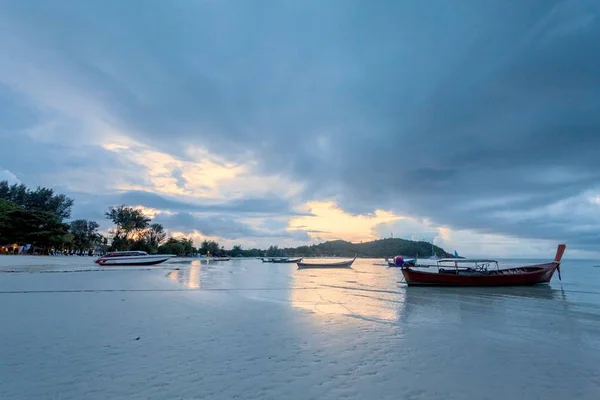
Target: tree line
{"points": [[39, 217], [389, 247]]}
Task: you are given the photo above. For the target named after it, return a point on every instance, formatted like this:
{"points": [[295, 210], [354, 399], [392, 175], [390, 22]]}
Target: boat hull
{"points": [[131, 261], [287, 261], [322, 266], [522, 276], [343, 264]]}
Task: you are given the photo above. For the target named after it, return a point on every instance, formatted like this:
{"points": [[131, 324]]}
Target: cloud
{"points": [[328, 222], [6, 175], [480, 116], [79, 167], [270, 205], [223, 227]]}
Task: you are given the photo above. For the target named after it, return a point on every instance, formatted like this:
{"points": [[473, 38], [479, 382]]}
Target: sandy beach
{"points": [[243, 329]]}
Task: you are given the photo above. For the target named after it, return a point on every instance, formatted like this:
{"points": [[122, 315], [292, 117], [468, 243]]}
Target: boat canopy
{"points": [[467, 260], [126, 253], [479, 264]]}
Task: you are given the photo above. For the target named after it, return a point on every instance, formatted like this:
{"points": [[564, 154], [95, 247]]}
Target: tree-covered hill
{"points": [[377, 249]]}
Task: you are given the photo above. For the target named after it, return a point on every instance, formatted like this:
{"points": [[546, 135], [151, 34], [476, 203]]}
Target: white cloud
{"points": [[6, 175]]}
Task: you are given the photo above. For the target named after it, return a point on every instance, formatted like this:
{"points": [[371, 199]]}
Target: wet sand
{"points": [[244, 329]]}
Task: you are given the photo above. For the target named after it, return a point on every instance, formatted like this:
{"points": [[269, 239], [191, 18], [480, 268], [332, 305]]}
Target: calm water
{"points": [[252, 330], [372, 291], [517, 342]]}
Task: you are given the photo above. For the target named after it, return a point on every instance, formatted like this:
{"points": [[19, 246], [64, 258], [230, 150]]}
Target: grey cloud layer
{"points": [[222, 226], [213, 219], [459, 112]]}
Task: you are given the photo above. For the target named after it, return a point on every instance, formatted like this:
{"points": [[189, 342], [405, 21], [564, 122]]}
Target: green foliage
{"points": [[154, 236], [84, 234], [376, 249], [178, 247], [273, 251], [236, 251], [33, 216], [6, 207], [40, 199], [130, 222], [131, 227], [149, 240], [40, 228], [211, 247]]}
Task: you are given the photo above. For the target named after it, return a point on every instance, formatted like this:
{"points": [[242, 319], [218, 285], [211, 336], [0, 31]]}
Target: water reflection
{"points": [[375, 293], [189, 277], [479, 306], [363, 292]]}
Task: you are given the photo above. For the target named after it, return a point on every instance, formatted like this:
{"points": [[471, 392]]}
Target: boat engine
{"points": [[399, 261]]}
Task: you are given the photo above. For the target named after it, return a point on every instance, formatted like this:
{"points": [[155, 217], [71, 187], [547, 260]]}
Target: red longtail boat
{"points": [[465, 272]]}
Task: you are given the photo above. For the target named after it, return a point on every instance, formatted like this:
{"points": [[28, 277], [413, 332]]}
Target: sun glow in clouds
{"points": [[329, 222], [203, 175]]}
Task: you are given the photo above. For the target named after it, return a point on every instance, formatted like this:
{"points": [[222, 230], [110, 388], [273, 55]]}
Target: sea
{"points": [[244, 329]]}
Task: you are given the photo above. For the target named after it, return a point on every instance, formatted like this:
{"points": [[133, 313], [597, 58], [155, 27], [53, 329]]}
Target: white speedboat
{"points": [[132, 258]]}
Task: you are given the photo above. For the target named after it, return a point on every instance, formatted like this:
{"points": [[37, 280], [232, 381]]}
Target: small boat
{"points": [[340, 264], [465, 272], [407, 262], [132, 258], [220, 258], [286, 260]]}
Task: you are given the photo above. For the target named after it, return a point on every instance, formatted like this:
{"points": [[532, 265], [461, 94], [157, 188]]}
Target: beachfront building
{"points": [[11, 248]]}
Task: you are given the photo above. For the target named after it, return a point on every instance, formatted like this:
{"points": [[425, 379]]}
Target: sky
{"points": [[472, 124]]}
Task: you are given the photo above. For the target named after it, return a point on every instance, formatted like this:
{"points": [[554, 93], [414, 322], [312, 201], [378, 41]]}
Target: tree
{"points": [[210, 247], [39, 228], [155, 235], [130, 223], [41, 199], [179, 247], [7, 227], [44, 199], [273, 251], [33, 216], [85, 234], [236, 251]]}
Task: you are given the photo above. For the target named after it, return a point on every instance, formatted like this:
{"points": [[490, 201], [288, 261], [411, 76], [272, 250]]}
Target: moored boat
{"points": [[132, 258], [482, 272], [286, 260], [219, 258], [340, 264], [406, 262]]}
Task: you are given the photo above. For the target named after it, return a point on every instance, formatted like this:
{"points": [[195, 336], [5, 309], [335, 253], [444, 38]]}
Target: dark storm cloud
{"points": [[469, 112]]}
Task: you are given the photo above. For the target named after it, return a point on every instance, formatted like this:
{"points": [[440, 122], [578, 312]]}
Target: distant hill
{"points": [[377, 249]]}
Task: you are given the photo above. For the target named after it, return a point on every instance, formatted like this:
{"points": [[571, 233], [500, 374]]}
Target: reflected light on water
{"points": [[174, 275], [189, 277], [193, 281], [347, 292]]}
